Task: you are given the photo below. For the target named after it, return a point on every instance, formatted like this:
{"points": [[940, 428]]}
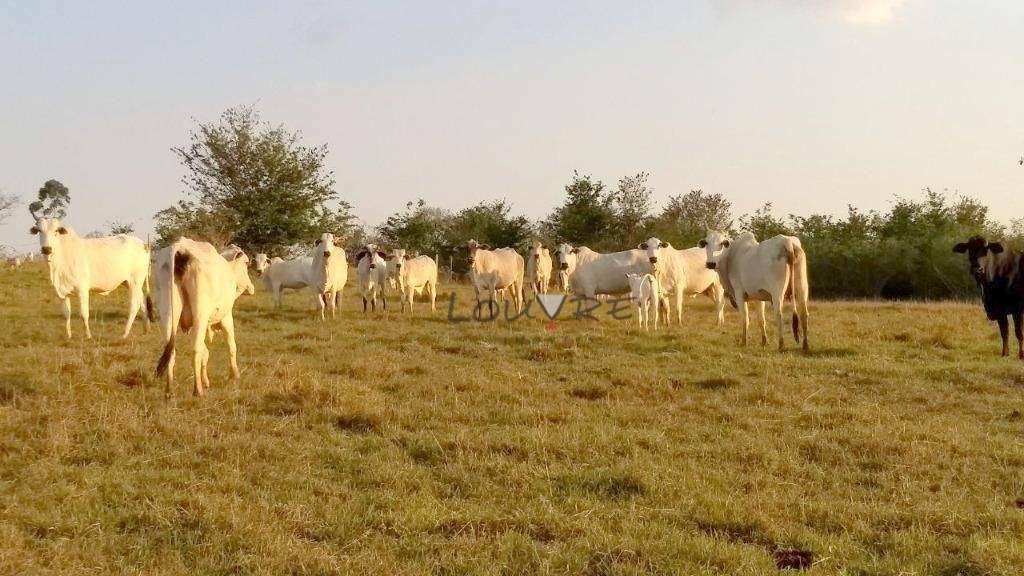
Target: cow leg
{"points": [[278, 292], [67, 315], [777, 310], [83, 310], [1018, 330], [656, 313], [134, 304], [1004, 333], [718, 296], [199, 352], [764, 324], [364, 304], [741, 305], [321, 300], [679, 305], [170, 370], [228, 325]]}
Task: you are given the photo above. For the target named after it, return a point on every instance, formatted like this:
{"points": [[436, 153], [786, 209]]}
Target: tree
{"points": [[632, 209], [763, 223], [585, 217], [7, 204], [254, 184], [686, 218], [117, 227], [489, 223], [419, 228], [54, 199]]}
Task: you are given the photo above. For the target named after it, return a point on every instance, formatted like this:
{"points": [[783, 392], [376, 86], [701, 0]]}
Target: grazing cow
{"points": [[538, 267], [414, 276], [646, 294], [590, 273], [372, 272], [683, 273], [196, 291], [281, 274], [260, 263], [998, 272], [328, 273], [768, 271], [494, 270], [83, 265]]}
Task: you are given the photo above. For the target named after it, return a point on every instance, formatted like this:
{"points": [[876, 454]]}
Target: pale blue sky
{"points": [[812, 104]]}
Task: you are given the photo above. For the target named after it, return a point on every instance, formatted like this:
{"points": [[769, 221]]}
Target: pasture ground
{"points": [[391, 445]]}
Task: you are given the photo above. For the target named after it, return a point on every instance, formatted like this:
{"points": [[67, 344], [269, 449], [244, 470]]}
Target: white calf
{"points": [[646, 294], [414, 276], [538, 268], [372, 272]]}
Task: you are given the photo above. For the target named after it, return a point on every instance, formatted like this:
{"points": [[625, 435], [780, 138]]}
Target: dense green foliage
{"points": [[53, 200], [255, 185]]}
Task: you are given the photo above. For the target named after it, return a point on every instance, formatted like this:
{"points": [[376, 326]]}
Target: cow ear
{"points": [[666, 245], [381, 254], [483, 247], [725, 243], [317, 243], [407, 257], [575, 251], [63, 230], [389, 257], [643, 246], [238, 255], [995, 247], [703, 243], [960, 248], [33, 230]]}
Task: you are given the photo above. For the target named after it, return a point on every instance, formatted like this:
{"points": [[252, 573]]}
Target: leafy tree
{"points": [[586, 217], [117, 227], [254, 184], [419, 228], [54, 199], [7, 204], [632, 209], [686, 218], [763, 223]]}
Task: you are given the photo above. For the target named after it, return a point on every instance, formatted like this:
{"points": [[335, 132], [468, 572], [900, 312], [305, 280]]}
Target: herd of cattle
{"points": [[195, 285]]}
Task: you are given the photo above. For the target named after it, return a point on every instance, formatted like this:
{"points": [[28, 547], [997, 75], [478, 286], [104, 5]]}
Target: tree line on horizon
{"points": [[258, 186]]}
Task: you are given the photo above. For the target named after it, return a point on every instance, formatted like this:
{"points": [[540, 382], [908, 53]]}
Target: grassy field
{"points": [[391, 445]]}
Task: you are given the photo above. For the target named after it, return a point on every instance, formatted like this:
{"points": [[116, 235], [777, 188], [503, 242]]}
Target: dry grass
{"points": [[388, 445]]}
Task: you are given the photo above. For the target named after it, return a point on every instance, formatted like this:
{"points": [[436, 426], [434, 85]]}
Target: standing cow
{"points": [[292, 274], [372, 273], [414, 276], [998, 272], [590, 273], [768, 271], [538, 268], [494, 270], [328, 273], [683, 273], [196, 291], [82, 265]]}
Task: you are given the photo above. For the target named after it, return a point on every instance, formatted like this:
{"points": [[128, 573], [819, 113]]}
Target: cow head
{"points": [[978, 251], [371, 252], [51, 236], [653, 247], [636, 285], [473, 247], [240, 264], [325, 246], [398, 256], [566, 257], [261, 263], [715, 243], [535, 251]]}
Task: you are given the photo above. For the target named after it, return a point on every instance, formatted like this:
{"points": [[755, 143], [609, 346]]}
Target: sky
{"points": [[809, 104]]}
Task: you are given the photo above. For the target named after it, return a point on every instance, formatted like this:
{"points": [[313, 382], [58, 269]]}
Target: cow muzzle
{"points": [[563, 266], [46, 250], [373, 266], [327, 254], [712, 265], [654, 259]]}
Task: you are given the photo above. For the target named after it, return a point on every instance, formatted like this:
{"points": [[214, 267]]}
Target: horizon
{"points": [[812, 106]]}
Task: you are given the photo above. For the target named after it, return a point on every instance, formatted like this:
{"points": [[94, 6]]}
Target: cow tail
{"points": [[180, 262], [799, 289], [147, 290]]}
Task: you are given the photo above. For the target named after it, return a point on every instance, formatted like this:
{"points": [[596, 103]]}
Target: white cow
{"points": [[328, 273], [683, 273], [82, 265], [538, 267], [372, 272], [291, 274], [414, 276], [260, 263], [768, 271], [590, 273], [494, 270], [196, 292], [646, 293]]}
